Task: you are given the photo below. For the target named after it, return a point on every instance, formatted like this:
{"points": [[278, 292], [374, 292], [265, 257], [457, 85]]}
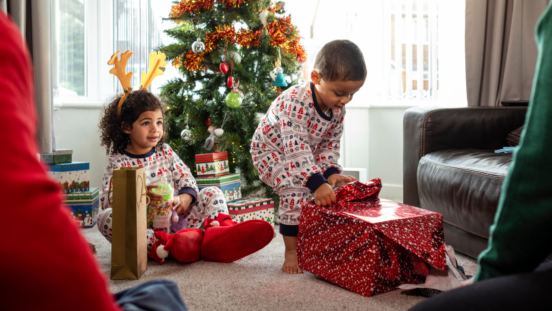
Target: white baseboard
{"points": [[392, 192]]}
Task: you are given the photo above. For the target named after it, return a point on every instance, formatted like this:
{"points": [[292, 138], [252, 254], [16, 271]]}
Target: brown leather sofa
{"points": [[450, 167]]}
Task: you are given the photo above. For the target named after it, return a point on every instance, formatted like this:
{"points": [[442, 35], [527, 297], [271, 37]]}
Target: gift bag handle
{"points": [[144, 191], [109, 192]]}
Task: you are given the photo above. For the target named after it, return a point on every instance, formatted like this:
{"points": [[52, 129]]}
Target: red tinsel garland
{"points": [[232, 3], [294, 47], [248, 38], [193, 61], [274, 7], [176, 62], [280, 32], [191, 6], [278, 29], [221, 32]]}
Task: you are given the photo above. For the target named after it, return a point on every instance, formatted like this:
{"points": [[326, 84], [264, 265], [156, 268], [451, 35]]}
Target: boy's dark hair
{"points": [[340, 60], [111, 125]]}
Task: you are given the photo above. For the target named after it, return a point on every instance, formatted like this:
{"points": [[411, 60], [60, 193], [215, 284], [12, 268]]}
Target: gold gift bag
{"points": [[129, 249]]}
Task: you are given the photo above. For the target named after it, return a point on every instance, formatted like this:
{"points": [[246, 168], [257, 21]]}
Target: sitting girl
{"points": [[133, 137]]}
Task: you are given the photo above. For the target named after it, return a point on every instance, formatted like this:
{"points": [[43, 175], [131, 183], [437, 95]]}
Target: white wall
{"points": [[77, 129], [373, 140], [386, 149]]}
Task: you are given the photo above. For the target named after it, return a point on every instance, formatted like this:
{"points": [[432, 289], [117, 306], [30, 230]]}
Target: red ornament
{"points": [[224, 67], [208, 122], [230, 82]]}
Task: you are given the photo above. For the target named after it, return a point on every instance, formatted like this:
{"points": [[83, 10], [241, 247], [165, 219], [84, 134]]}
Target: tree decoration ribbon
{"points": [[191, 7], [282, 32], [156, 68]]}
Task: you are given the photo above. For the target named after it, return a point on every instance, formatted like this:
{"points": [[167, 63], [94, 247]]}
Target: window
{"points": [[69, 47], [85, 33], [138, 26], [414, 49]]}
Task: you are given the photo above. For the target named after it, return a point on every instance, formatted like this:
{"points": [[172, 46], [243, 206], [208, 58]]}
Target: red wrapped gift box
{"points": [[369, 245]]}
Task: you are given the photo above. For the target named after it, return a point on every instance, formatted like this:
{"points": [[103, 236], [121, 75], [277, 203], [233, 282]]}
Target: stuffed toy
{"points": [[223, 240], [226, 240], [210, 141], [184, 245]]}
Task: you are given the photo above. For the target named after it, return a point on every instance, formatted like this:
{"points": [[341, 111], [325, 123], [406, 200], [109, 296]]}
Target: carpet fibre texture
{"points": [[257, 283]]}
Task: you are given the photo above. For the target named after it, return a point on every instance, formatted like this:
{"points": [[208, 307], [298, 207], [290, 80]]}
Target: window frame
{"points": [[98, 47]]}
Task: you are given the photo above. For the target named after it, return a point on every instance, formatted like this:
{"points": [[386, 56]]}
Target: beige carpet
{"points": [[257, 283]]}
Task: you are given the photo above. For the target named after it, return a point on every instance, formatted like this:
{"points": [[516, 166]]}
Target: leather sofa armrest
{"points": [[428, 129]]}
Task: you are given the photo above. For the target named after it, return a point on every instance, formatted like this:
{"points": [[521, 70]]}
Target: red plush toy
{"points": [[226, 240], [223, 240], [184, 245]]}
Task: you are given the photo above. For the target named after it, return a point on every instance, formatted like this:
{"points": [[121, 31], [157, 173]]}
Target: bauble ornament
{"points": [[234, 99], [198, 47], [235, 56], [224, 67], [186, 134]]}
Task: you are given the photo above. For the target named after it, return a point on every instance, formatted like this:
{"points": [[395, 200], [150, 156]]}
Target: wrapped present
{"points": [[369, 245], [73, 177], [84, 206], [230, 185], [212, 164], [59, 157], [256, 208]]}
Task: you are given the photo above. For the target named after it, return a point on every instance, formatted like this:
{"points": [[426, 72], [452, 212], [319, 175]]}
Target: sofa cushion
{"points": [[514, 136], [464, 186]]}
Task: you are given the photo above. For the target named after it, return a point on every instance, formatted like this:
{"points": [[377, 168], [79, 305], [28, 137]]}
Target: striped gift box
{"points": [[230, 185], [253, 208], [212, 164]]}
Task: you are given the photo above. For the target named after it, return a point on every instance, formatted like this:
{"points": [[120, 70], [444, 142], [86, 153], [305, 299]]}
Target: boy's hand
{"points": [[324, 195], [184, 204], [336, 180], [153, 196]]}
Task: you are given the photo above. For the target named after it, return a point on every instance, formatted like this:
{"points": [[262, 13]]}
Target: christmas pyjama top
{"points": [[158, 163], [296, 144]]}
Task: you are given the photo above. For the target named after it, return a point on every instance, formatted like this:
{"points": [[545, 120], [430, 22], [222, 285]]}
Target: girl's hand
{"points": [[153, 196], [336, 180], [184, 204]]}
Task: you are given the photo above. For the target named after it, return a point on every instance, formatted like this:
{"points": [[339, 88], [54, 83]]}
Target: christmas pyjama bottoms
{"points": [[289, 211], [209, 203]]}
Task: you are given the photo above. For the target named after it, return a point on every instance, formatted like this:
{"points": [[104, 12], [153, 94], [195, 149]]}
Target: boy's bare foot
{"points": [[291, 264]]}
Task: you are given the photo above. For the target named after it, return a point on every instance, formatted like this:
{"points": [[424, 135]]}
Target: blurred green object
{"points": [[234, 99]]}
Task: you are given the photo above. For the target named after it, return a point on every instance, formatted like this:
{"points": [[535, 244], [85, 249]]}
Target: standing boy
{"points": [[296, 145]]}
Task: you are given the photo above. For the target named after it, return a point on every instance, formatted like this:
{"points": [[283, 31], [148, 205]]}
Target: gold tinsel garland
{"points": [[189, 6], [248, 38], [280, 32], [193, 61]]}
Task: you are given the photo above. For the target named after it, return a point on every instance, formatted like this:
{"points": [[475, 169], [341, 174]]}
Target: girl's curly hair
{"points": [[111, 125]]}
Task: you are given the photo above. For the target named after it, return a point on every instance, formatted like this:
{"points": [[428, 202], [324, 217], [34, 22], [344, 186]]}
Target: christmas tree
{"points": [[234, 56]]}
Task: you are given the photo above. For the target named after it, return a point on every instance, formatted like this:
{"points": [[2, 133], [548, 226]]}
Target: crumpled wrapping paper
{"points": [[369, 245]]}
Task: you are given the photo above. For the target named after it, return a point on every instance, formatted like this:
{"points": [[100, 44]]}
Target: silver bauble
{"points": [[198, 47]]}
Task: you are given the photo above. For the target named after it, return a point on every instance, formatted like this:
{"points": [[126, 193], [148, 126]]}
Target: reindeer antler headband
{"points": [[156, 68]]}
